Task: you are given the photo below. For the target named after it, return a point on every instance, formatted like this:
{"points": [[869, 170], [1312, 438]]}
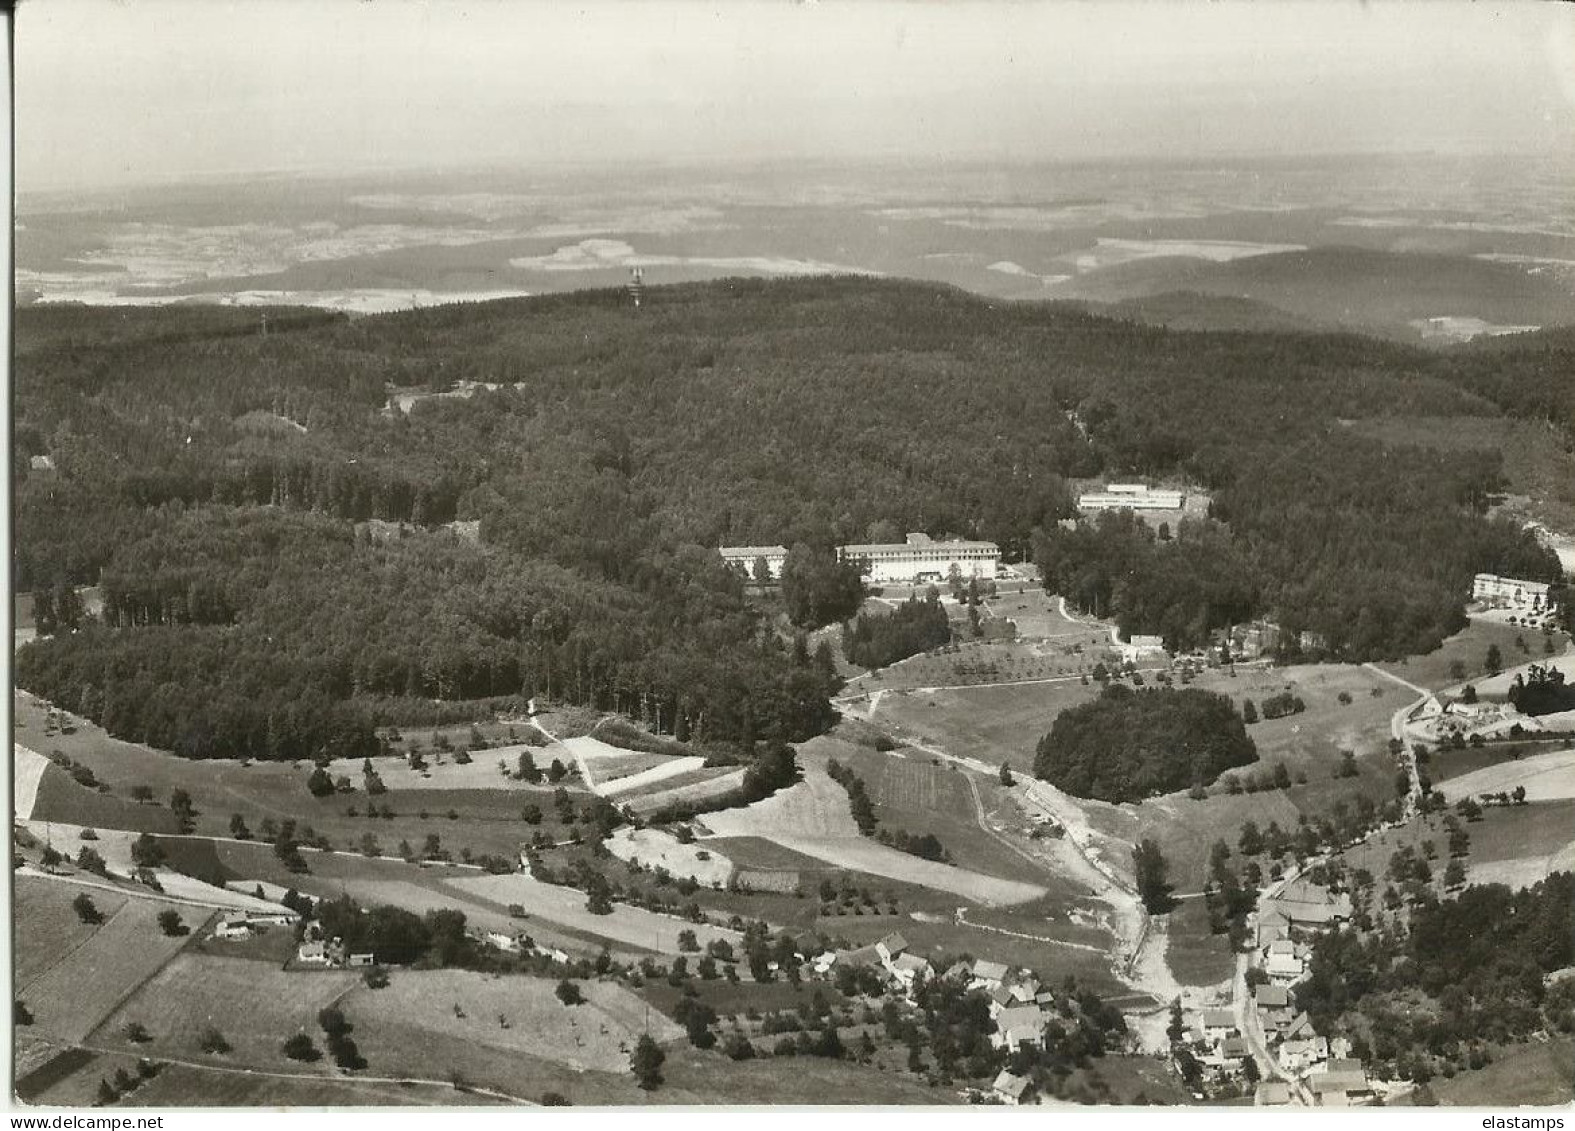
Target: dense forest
{"points": [[285, 552], [1127, 745], [1465, 971], [912, 627]]}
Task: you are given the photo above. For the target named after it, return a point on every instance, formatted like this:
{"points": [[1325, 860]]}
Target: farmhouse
{"points": [[1306, 904], [1509, 592], [1340, 1083], [315, 951], [1141, 647], [1018, 1026], [747, 556], [908, 969], [1130, 496], [988, 975], [1285, 962], [1298, 1056], [921, 558], [1218, 1024], [232, 929], [891, 946], [1010, 1088]]}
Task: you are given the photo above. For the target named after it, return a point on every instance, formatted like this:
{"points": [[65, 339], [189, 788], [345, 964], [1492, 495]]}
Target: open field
{"points": [[48, 928], [255, 1005], [1196, 957], [812, 817], [443, 772], [114, 845], [984, 663], [58, 797], [696, 786], [1446, 765], [630, 925], [70, 1078], [1534, 1074], [1467, 647], [513, 1014], [1037, 616], [755, 853], [487, 820], [182, 1085], [655, 848], [74, 994], [921, 794], [1545, 777], [700, 1078], [1517, 845], [992, 724], [27, 768]]}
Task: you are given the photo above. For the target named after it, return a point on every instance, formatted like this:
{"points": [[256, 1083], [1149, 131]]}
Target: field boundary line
{"points": [[340, 1076], [963, 920]]}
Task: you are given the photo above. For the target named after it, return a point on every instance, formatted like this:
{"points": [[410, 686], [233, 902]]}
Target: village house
{"points": [[272, 918], [1298, 1056], [1009, 1088], [1273, 1004], [1018, 1026], [988, 975], [1217, 1024], [1285, 962], [909, 970], [1272, 926], [891, 946], [1303, 903], [314, 951], [1340, 1083], [502, 941], [232, 929]]}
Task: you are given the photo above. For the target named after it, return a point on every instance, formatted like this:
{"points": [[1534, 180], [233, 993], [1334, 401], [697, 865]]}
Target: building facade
{"points": [[1131, 496], [747, 556], [1509, 592], [922, 559]]}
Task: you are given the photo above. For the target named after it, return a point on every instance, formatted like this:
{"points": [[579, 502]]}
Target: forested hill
{"points": [[213, 475]]}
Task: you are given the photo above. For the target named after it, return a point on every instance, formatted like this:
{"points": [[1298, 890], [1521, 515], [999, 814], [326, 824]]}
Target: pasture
{"points": [[181, 1085], [655, 848], [812, 818], [632, 926], [921, 794], [696, 785], [47, 927], [27, 768], [255, 1006], [696, 1078], [1538, 1073], [74, 994], [486, 820], [1544, 777], [985, 663], [514, 1014], [1516, 845], [1468, 648]]}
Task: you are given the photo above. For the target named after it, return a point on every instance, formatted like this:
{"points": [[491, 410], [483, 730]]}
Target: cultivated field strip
{"points": [[72, 997]]}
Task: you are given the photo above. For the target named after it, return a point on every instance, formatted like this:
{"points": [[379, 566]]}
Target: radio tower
{"points": [[636, 285]]}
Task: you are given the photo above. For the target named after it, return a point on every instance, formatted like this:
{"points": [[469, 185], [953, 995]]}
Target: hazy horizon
{"points": [[110, 95]]}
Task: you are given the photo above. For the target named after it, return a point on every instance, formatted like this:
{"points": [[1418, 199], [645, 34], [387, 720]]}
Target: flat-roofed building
{"points": [[922, 558], [1131, 496], [747, 556], [1509, 591]]}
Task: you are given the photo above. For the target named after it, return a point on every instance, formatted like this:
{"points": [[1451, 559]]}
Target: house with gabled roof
{"points": [[1010, 1088], [1019, 1025], [987, 975], [891, 946]]}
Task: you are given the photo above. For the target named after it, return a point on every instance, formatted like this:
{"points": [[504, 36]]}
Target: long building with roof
{"points": [[917, 560]]}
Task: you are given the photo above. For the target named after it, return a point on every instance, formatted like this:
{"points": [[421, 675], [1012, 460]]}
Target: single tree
{"points": [[86, 911], [569, 992], [300, 1047], [646, 1062], [170, 924], [1150, 867]]}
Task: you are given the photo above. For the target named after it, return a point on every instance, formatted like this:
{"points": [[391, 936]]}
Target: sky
{"points": [[120, 92]]}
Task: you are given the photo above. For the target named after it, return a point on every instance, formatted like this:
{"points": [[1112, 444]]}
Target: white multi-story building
{"points": [[1509, 591], [747, 556], [921, 558], [1131, 496]]}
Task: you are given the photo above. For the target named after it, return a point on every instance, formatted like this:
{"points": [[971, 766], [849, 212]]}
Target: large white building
{"points": [[1509, 591], [747, 556], [1131, 496], [921, 559]]}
